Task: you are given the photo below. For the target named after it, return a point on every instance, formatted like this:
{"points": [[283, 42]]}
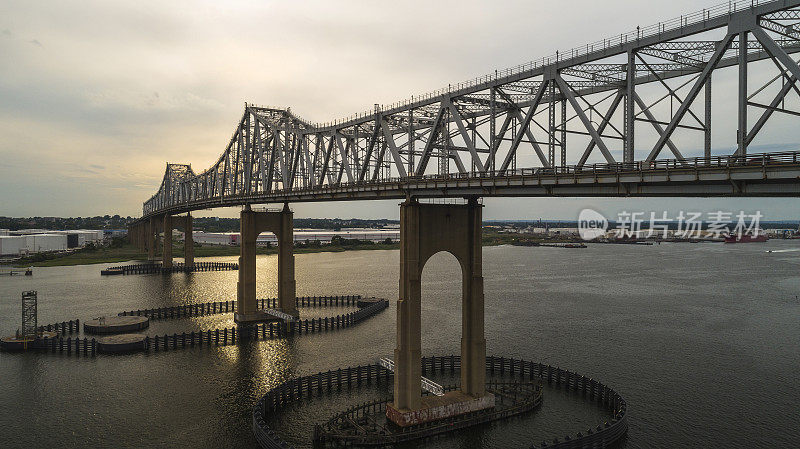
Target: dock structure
{"points": [[179, 267]]}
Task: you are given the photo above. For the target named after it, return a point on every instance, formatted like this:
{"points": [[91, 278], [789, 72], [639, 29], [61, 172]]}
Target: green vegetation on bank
{"points": [[119, 250], [491, 238]]}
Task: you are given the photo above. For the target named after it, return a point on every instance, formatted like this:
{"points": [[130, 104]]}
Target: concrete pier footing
{"points": [[433, 408], [120, 344], [426, 229]]}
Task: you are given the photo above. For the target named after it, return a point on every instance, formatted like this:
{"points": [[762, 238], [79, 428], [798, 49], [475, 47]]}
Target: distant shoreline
{"points": [[129, 253]]}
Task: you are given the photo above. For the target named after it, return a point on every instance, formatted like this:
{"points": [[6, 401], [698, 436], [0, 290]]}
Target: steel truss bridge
{"points": [[547, 128]]}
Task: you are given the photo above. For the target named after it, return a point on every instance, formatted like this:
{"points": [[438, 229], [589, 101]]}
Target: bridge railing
{"points": [[731, 161]]}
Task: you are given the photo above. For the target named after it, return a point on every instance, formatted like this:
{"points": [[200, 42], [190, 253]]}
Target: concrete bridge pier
{"points": [[188, 240], [426, 229], [151, 239], [166, 259], [170, 223], [252, 224], [135, 234], [141, 238]]}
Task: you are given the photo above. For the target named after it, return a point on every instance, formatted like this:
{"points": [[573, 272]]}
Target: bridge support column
{"points": [[150, 240], [287, 287], [426, 229], [170, 223], [135, 234], [252, 224], [143, 236], [166, 260], [188, 241]]}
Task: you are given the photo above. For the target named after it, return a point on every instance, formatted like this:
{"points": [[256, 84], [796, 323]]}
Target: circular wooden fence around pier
{"points": [[320, 384]]}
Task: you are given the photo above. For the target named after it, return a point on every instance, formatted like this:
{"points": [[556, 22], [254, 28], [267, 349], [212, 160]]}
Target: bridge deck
{"points": [[769, 174]]}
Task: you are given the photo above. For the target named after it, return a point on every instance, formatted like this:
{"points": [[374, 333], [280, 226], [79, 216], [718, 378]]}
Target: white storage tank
{"points": [[12, 245]]}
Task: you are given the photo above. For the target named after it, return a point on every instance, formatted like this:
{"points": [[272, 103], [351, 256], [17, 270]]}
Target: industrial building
{"points": [[30, 241], [300, 235], [39, 243], [12, 245], [215, 238]]}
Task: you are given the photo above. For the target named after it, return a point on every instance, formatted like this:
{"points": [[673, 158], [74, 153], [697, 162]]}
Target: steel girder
{"points": [[489, 126]]}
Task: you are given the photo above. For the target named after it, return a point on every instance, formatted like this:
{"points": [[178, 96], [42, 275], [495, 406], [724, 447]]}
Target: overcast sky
{"points": [[95, 96]]}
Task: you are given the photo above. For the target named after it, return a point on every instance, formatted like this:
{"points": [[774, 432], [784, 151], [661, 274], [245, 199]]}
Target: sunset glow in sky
{"points": [[96, 96]]}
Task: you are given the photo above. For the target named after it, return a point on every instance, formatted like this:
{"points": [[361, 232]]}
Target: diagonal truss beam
{"points": [[606, 119], [653, 121], [428, 150], [524, 130], [398, 161], [698, 85], [465, 135], [567, 92]]}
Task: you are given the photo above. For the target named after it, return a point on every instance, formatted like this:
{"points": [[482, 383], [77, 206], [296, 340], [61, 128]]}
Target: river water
{"points": [[700, 339]]}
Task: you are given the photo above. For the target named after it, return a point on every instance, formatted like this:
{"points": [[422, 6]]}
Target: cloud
{"points": [[124, 88]]}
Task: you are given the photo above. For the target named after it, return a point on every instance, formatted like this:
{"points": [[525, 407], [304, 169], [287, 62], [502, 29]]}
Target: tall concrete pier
{"points": [[152, 238], [185, 222], [426, 229], [166, 252], [252, 224]]}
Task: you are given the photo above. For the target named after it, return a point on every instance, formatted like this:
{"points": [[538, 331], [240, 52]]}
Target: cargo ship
{"points": [[745, 238]]}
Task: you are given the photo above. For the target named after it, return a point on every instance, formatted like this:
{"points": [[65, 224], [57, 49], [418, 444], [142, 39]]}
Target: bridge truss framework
{"points": [[508, 133]]}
